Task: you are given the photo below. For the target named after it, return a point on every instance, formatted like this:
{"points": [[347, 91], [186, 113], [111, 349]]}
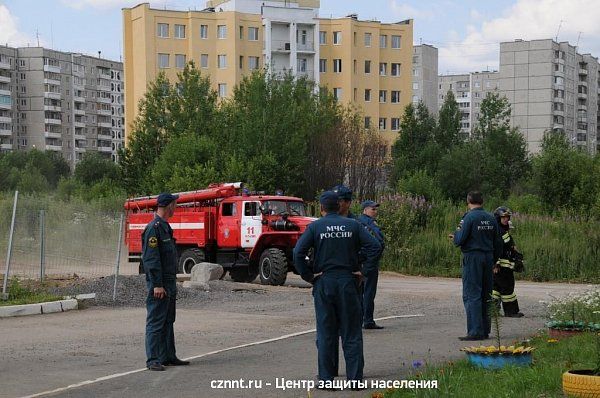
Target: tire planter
{"points": [[562, 333], [581, 383], [499, 361]]}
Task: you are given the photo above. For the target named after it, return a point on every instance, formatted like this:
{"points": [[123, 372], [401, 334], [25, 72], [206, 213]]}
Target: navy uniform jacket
{"points": [[371, 225], [336, 241], [479, 232], [159, 253]]}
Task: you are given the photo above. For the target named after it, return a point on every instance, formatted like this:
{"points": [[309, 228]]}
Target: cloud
{"points": [[9, 33], [527, 20], [406, 11]]}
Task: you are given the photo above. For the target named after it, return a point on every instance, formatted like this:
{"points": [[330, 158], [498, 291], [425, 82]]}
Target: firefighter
{"points": [[159, 258], [336, 241], [367, 219], [478, 237], [504, 277]]}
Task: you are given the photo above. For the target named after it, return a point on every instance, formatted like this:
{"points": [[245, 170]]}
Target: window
{"points": [[253, 34], [415, 86], [241, 33], [382, 41], [323, 65], [253, 63], [228, 209], [301, 37], [559, 80], [395, 123], [337, 37], [180, 31], [355, 96], [477, 84], [251, 209], [416, 73], [396, 41], [367, 67], [221, 31], [222, 61], [355, 66], [395, 97], [337, 93], [368, 95], [396, 69], [382, 96], [337, 66], [322, 37], [367, 122], [204, 60], [204, 31], [222, 90], [302, 65], [241, 62], [382, 69], [162, 30], [382, 123], [416, 59], [415, 99], [367, 40], [163, 61], [180, 61]]}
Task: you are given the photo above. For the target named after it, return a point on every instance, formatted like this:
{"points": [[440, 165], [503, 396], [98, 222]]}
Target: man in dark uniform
{"points": [[479, 239], [367, 219], [336, 241], [159, 258], [345, 195]]}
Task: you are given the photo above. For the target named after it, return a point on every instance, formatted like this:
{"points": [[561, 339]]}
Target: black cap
{"points": [[368, 203], [329, 198], [165, 198], [343, 192]]}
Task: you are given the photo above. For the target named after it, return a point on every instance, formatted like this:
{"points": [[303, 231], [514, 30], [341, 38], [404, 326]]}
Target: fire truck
{"points": [[249, 235]]}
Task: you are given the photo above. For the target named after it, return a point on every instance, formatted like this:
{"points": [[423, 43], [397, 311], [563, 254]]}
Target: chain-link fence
{"points": [[56, 239]]}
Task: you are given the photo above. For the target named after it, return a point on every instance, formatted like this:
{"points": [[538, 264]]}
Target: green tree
{"points": [[447, 133], [94, 167]]}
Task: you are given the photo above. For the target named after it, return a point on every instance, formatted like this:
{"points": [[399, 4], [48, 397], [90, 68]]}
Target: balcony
{"points": [[306, 48], [582, 95], [5, 65], [5, 106], [52, 68], [80, 137], [5, 133], [582, 83], [52, 81], [105, 112], [79, 124], [5, 119], [49, 134], [79, 111], [281, 46], [104, 100], [104, 137], [5, 92], [583, 72], [52, 108], [104, 149], [56, 148], [53, 121], [105, 124], [582, 107], [79, 149], [103, 87], [5, 79], [78, 99], [53, 95], [6, 146], [558, 112], [104, 74]]}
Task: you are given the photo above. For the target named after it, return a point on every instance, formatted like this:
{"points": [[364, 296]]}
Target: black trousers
{"points": [[504, 290]]}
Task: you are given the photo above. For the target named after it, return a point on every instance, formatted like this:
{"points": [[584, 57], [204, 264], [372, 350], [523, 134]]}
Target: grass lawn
{"points": [[19, 294], [543, 379]]}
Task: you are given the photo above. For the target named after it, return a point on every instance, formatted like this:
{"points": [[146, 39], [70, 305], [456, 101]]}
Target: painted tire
{"points": [[581, 385], [499, 361], [561, 333]]}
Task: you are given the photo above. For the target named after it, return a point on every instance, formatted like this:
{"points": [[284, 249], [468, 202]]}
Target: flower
{"points": [[552, 341], [417, 364]]}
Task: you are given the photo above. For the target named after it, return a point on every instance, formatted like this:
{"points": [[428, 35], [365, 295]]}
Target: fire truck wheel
{"points": [[188, 259], [243, 274], [273, 267]]}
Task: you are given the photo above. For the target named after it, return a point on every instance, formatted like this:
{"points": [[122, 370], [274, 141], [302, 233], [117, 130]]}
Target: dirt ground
{"points": [[43, 353]]}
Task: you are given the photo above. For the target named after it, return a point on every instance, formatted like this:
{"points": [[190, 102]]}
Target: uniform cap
{"points": [[165, 198], [369, 203], [329, 198], [343, 192]]}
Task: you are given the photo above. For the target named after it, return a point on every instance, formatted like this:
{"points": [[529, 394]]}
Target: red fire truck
{"points": [[248, 234]]}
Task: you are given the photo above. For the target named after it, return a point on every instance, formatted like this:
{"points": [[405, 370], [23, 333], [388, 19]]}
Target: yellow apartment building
{"points": [[367, 63]]}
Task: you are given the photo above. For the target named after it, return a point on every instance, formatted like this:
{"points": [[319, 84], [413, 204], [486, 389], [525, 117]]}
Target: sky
{"points": [[466, 32]]}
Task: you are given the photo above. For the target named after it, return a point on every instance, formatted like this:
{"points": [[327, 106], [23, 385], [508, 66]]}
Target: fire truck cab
{"points": [[250, 235]]}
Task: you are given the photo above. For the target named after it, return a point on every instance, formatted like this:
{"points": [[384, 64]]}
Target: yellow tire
{"points": [[581, 385]]}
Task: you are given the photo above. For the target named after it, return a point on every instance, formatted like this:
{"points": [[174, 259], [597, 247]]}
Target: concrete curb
{"points": [[38, 308]]}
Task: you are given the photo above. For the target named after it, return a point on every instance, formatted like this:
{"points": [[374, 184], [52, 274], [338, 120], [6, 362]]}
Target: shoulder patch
{"points": [[153, 242]]}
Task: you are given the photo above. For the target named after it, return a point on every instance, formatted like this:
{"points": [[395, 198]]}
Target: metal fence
{"points": [[55, 239]]}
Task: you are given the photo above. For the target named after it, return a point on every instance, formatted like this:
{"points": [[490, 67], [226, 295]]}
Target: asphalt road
{"points": [[44, 353]]}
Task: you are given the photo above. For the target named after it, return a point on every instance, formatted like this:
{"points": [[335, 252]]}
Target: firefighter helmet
{"points": [[502, 211]]}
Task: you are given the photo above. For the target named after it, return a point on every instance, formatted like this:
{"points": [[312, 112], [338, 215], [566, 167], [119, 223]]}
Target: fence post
{"points": [[9, 250], [118, 262], [42, 245]]}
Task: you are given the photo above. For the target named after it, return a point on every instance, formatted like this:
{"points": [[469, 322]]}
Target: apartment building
{"points": [[469, 90], [366, 63], [425, 76], [64, 102], [551, 87]]}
